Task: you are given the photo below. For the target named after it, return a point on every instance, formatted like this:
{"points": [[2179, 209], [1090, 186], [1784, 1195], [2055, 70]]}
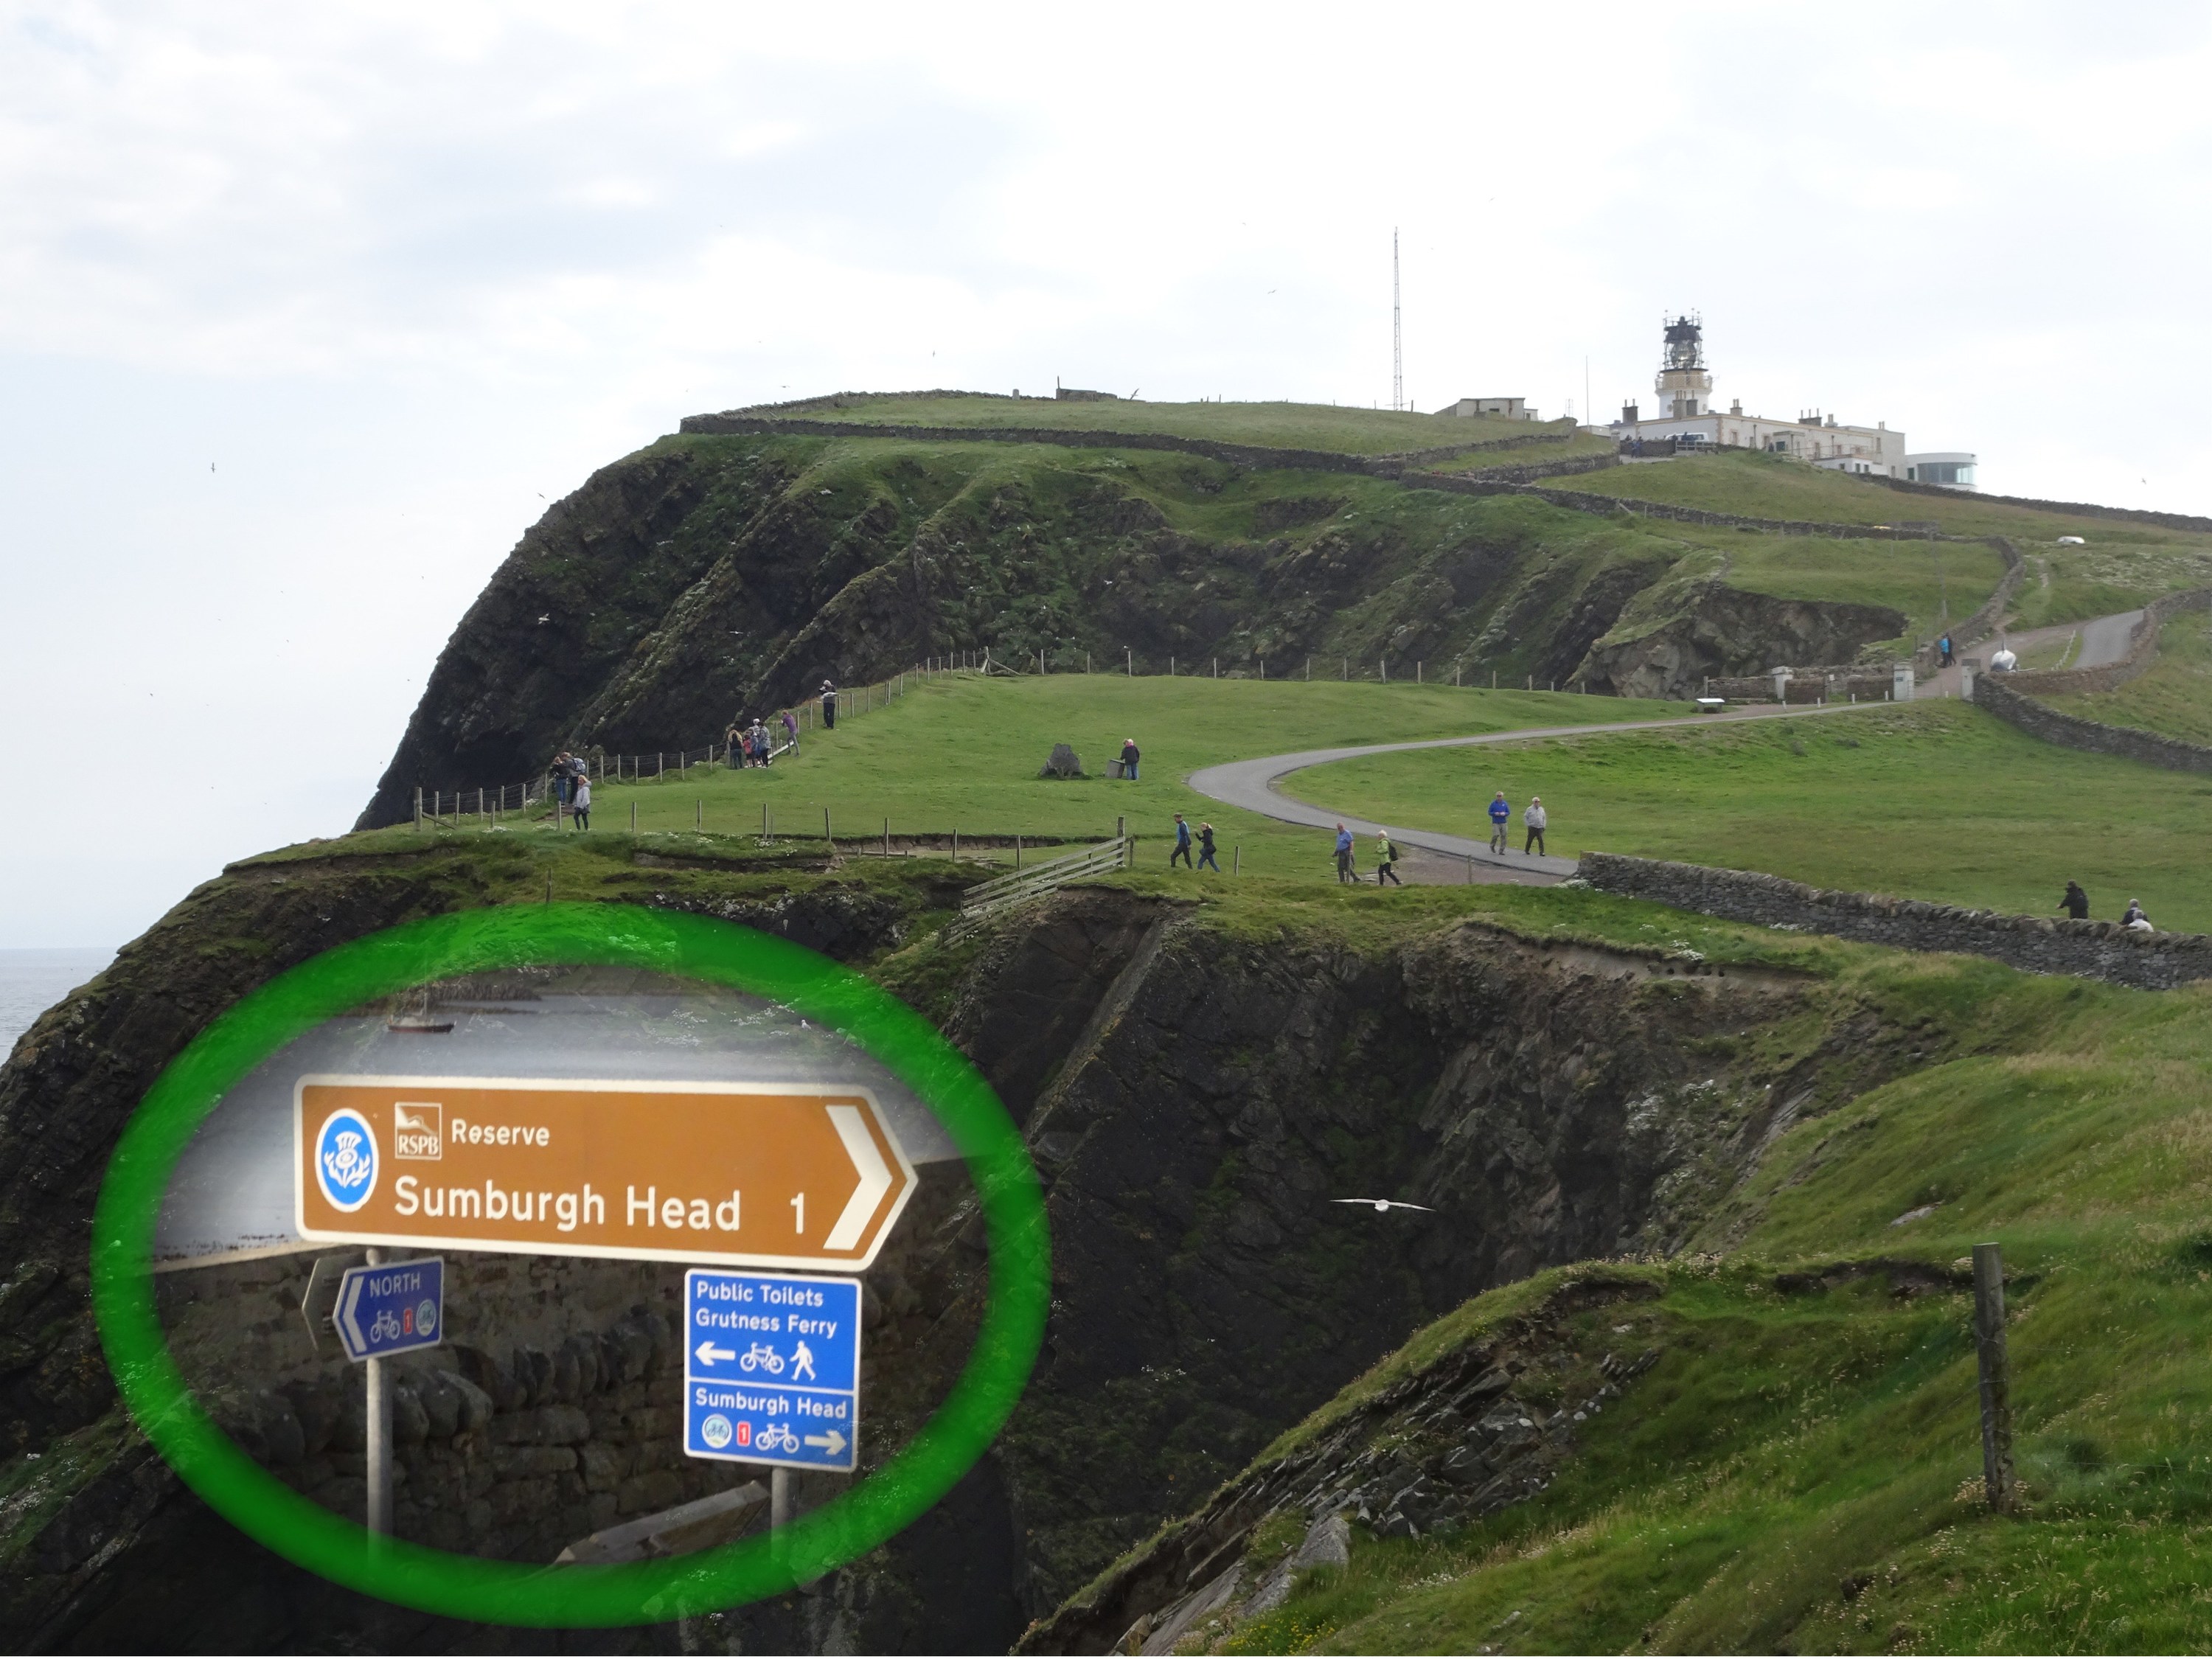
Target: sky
{"points": [[307, 313]]}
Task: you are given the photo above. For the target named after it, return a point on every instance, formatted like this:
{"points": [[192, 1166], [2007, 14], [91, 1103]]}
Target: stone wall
{"points": [[2142, 650], [2039, 719], [2040, 944], [1315, 460], [2075, 509]]}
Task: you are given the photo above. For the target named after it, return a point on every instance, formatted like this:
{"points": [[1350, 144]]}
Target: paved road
{"points": [[2104, 639], [1252, 784]]}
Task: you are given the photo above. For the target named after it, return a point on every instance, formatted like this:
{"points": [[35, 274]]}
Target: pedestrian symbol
{"points": [[772, 1369]]}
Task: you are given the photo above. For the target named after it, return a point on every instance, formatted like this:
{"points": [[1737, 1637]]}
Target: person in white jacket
{"points": [[579, 809], [1532, 815]]}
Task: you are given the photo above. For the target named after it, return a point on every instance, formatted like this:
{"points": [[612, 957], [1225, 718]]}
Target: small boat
{"points": [[422, 1028]]}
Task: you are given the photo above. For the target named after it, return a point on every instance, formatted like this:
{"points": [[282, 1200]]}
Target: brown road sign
{"points": [[763, 1176]]}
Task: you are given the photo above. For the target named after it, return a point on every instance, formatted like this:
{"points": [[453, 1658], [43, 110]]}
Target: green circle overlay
{"points": [[515, 1593]]}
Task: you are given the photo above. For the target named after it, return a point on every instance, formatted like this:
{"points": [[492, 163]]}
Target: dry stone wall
{"points": [[2039, 719], [2040, 944]]}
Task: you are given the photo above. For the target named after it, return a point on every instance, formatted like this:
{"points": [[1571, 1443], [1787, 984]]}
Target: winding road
{"points": [[1253, 784]]}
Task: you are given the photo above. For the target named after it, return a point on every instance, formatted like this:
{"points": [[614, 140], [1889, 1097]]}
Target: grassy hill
{"points": [[2172, 696], [1800, 1470], [1284, 425], [1935, 800]]}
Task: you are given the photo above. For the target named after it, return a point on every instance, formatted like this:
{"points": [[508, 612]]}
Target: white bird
{"points": [[1382, 1204]]}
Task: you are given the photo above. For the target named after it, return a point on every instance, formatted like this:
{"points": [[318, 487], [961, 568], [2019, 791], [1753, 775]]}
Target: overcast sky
{"points": [[306, 312]]}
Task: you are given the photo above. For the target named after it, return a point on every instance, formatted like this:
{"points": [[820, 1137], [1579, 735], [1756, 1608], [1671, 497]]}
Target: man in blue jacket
{"points": [[1182, 844], [1344, 870], [1501, 814]]}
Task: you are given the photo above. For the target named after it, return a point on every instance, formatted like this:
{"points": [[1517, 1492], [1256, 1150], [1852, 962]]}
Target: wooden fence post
{"points": [[1996, 1378], [887, 837]]}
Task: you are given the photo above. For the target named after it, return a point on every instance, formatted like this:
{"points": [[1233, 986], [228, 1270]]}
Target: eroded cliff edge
{"points": [[1197, 1090]]}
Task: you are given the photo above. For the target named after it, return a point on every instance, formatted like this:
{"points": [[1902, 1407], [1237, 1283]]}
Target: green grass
{"points": [[963, 754], [1935, 800], [2113, 573], [1286, 425], [1917, 578], [1774, 487], [1800, 1472], [2173, 695]]}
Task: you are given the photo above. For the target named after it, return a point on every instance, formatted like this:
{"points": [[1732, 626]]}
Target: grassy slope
{"points": [[2172, 696], [1277, 425], [1936, 800], [962, 753], [1800, 1472]]}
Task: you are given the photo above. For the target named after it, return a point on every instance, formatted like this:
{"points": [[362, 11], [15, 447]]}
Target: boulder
{"points": [[1063, 763]]}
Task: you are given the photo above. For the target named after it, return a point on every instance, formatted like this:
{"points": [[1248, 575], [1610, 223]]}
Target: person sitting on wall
{"points": [[2134, 920], [2075, 904]]}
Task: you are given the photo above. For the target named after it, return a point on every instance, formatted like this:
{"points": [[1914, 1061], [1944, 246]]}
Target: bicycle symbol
{"points": [[776, 1437], [385, 1327], [760, 1357]]}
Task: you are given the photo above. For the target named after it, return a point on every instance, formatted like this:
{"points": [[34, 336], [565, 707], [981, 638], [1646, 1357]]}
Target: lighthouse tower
{"points": [[1683, 386]]}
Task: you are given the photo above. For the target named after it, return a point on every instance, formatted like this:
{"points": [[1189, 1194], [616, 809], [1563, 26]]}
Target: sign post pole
{"points": [[779, 1506], [379, 1441], [1996, 1378]]}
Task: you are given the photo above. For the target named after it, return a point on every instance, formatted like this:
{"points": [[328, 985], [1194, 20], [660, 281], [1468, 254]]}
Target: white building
{"points": [[1953, 468], [1686, 414]]}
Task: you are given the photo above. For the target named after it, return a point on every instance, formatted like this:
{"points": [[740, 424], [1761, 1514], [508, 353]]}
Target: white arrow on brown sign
{"points": [[765, 1175]]}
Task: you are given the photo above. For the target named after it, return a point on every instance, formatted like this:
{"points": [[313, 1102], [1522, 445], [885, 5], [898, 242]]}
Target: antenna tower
{"points": [[1397, 343]]}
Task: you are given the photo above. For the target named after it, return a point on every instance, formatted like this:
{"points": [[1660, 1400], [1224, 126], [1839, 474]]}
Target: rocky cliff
{"points": [[715, 574], [1196, 1096]]}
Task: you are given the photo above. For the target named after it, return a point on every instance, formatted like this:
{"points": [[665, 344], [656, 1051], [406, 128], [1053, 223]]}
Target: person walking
{"points": [[1206, 849], [1386, 864], [732, 746], [1501, 815], [580, 805], [1344, 871], [1181, 848], [763, 745], [1129, 756], [829, 707], [791, 731], [2076, 902], [1533, 817], [1944, 646]]}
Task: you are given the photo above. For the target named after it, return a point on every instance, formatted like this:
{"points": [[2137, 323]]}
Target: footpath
{"points": [[1254, 785]]}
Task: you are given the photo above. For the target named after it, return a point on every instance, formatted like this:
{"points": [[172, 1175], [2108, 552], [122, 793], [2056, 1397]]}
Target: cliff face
{"points": [[1195, 1099], [709, 575]]}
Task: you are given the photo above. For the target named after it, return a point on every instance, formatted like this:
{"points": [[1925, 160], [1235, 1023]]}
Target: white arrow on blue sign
{"points": [[772, 1369], [391, 1309]]}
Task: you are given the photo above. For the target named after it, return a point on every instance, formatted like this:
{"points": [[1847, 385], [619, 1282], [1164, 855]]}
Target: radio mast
{"points": [[1397, 344]]}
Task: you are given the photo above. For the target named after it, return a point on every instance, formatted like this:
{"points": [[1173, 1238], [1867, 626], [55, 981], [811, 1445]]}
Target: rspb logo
{"points": [[345, 1159], [419, 1129]]}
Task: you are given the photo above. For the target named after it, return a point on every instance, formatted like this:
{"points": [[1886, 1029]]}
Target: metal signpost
{"points": [[764, 1176], [760, 1176]]}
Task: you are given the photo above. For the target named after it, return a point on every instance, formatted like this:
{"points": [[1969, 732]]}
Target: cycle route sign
{"points": [[395, 1308], [772, 1369]]}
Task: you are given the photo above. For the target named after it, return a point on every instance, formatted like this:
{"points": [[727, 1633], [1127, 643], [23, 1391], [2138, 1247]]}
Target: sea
{"points": [[32, 981]]}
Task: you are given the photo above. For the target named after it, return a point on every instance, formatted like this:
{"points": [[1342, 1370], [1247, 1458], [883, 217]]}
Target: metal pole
{"points": [[380, 1441], [1997, 1376], [779, 1507], [1236, 860]]}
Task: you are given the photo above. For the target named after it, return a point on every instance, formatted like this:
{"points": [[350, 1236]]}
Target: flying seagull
{"points": [[1382, 1204]]}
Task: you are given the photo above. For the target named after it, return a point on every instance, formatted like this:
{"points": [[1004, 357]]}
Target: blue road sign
{"points": [[772, 1369], [391, 1309]]}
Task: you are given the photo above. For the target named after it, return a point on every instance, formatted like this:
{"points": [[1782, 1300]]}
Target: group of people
{"points": [[1181, 848], [1386, 859], [751, 743], [572, 787], [1533, 820], [2075, 904]]}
